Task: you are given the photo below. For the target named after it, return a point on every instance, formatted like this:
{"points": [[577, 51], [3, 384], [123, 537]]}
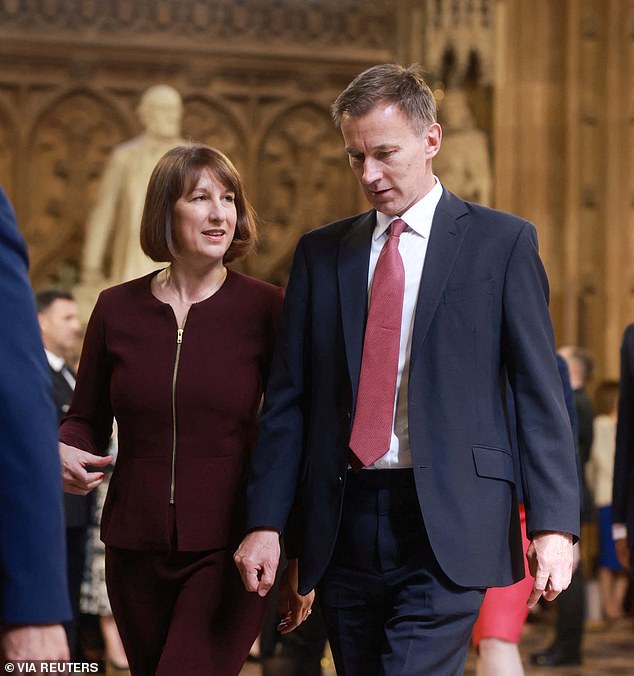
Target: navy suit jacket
{"points": [[481, 322], [623, 488], [33, 587], [77, 508]]}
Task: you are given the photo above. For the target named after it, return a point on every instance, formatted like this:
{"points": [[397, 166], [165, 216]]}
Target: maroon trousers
{"points": [[183, 613]]}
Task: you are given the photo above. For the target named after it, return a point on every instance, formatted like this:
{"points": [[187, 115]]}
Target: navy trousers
{"points": [[388, 607], [76, 540]]}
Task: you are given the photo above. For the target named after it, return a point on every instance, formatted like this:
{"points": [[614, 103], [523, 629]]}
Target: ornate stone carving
{"points": [[460, 40], [207, 122], [330, 22], [463, 163], [68, 145], [303, 182], [114, 222]]}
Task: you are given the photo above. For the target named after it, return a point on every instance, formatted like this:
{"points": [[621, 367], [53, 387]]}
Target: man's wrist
{"points": [[264, 529]]}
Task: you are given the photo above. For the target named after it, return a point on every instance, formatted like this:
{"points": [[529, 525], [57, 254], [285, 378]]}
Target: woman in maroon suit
{"points": [[180, 358]]}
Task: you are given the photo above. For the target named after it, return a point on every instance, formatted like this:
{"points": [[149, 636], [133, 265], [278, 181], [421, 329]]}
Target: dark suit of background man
{"points": [[33, 590], [58, 315], [401, 552], [623, 487], [566, 646]]}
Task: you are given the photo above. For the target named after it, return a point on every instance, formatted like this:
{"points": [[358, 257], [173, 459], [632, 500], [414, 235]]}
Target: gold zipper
{"points": [[179, 342]]}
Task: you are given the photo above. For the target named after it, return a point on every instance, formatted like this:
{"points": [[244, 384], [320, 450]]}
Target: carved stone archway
{"points": [[207, 121], [303, 182], [68, 145]]}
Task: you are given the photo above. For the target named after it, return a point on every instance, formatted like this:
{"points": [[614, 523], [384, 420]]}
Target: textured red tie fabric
{"points": [[374, 414]]}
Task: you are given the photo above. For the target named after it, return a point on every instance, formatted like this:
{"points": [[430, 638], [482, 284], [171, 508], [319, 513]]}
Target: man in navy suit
{"points": [[401, 551], [33, 590], [623, 492]]}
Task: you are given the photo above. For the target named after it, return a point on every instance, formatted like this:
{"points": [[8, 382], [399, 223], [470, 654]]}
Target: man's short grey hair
{"points": [[388, 83]]}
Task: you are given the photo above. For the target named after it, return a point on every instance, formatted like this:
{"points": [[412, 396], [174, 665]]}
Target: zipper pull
{"points": [[179, 338]]}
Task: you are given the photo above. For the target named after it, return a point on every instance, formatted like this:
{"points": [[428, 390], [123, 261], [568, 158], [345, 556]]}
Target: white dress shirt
{"points": [[59, 364], [413, 248]]}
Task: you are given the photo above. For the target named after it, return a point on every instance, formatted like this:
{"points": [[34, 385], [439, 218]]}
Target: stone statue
{"points": [[114, 223], [463, 164]]}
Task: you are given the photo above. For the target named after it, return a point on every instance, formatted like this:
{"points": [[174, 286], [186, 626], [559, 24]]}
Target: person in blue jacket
{"points": [[33, 590]]}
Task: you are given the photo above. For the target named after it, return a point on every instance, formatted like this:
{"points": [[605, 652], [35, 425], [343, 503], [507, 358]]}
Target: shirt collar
{"points": [[418, 217], [55, 362]]}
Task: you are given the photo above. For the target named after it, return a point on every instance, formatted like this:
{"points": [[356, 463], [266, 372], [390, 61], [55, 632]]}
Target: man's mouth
{"points": [[380, 192]]}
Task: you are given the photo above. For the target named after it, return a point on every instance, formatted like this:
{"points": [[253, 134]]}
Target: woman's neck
{"points": [[187, 286]]}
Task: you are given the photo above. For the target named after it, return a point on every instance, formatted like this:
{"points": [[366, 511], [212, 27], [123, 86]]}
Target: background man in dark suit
{"points": [[571, 616], [33, 590], [623, 491], [58, 315], [413, 389]]}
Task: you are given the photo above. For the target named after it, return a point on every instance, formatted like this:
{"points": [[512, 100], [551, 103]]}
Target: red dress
{"points": [[504, 610]]}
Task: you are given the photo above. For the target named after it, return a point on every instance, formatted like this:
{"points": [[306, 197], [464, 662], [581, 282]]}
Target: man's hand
{"points": [[257, 558], [550, 561], [623, 553], [74, 475], [293, 607], [34, 642]]}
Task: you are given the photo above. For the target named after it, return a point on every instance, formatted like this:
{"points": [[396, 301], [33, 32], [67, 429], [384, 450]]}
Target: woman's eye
{"points": [[230, 198]]}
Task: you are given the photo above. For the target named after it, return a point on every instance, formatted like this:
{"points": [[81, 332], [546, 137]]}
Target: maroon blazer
{"points": [[186, 411]]}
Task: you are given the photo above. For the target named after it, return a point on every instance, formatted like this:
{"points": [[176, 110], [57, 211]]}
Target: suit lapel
{"points": [[352, 270], [61, 384], [447, 233]]}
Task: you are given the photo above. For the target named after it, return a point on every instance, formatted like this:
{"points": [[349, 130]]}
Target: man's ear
{"points": [[433, 139]]}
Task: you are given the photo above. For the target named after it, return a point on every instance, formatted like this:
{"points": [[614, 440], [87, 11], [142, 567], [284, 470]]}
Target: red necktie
{"points": [[374, 414]]}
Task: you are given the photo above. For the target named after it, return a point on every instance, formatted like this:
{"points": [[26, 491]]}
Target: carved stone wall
{"points": [[257, 78], [351, 25], [459, 40]]}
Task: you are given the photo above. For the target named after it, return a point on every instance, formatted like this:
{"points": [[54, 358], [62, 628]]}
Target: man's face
{"points": [[390, 159], [60, 327]]}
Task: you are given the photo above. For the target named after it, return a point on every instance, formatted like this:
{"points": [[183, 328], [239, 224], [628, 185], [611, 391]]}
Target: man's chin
{"points": [[386, 207]]}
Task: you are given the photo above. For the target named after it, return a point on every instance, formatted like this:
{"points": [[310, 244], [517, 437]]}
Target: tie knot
{"points": [[397, 227]]}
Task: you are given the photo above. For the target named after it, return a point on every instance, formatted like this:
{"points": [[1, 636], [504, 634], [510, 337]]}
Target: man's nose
{"points": [[371, 172]]}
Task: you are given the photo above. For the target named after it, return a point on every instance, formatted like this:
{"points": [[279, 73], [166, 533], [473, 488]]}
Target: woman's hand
{"points": [[293, 607], [74, 461]]}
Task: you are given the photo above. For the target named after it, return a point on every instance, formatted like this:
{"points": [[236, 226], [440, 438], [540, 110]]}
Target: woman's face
{"points": [[204, 221]]}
